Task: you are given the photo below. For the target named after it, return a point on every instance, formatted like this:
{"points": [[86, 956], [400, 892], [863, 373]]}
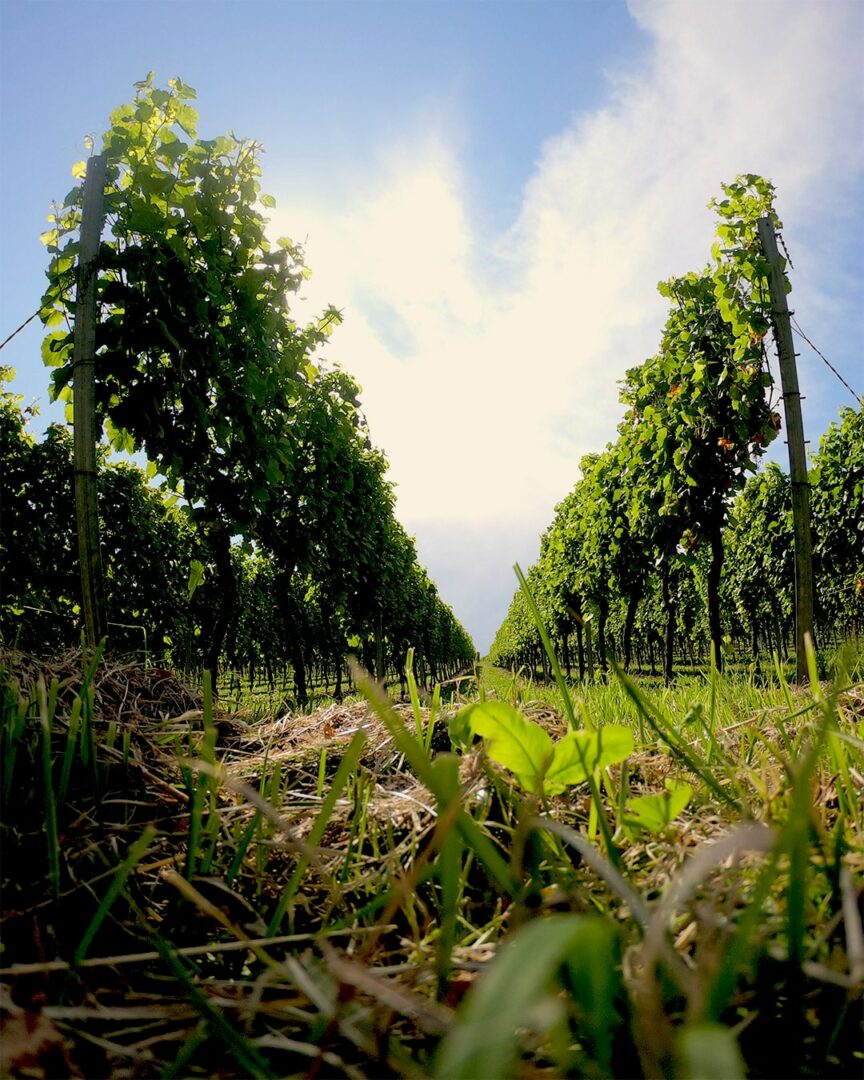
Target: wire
{"points": [[823, 358], [20, 328], [779, 236], [801, 333]]}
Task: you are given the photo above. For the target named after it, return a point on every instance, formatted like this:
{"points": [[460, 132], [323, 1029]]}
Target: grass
{"points": [[337, 893]]}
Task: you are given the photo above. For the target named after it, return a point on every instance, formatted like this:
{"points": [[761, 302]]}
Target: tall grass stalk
{"points": [[598, 811], [51, 839], [322, 772], [347, 768], [88, 733], [357, 831], [242, 846], [449, 865], [241, 1049], [69, 750], [16, 709], [134, 855], [662, 727], [418, 761], [202, 786]]}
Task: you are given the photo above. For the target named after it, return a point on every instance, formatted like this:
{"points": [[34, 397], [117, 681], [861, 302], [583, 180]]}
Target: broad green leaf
{"points": [[655, 812], [56, 347], [512, 741], [591, 750], [196, 576], [268, 201], [187, 118]]}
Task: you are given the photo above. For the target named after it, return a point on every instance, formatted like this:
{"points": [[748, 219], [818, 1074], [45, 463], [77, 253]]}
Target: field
{"points": [[188, 892], [451, 868]]}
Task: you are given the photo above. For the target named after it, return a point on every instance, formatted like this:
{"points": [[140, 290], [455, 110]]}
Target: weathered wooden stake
{"points": [[84, 405], [797, 455]]}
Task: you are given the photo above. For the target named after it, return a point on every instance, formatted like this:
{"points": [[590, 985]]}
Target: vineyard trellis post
{"points": [[795, 440], [84, 404]]}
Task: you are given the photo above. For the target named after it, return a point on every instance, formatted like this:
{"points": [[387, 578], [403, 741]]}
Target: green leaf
{"points": [[187, 118], [655, 812], [268, 200], [708, 1052], [484, 1041], [580, 753], [512, 741], [196, 576], [181, 89], [56, 348], [79, 170], [459, 730]]}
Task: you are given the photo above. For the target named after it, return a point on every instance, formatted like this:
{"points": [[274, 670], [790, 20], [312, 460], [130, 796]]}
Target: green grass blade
{"points": [[51, 839], [414, 754], [782, 683], [485, 1040], [449, 864], [177, 1069], [322, 772], [15, 711], [69, 750], [430, 723], [244, 1053], [347, 766], [414, 695], [549, 648], [242, 848], [134, 855], [88, 731], [708, 1052], [203, 786], [662, 729], [598, 810]]}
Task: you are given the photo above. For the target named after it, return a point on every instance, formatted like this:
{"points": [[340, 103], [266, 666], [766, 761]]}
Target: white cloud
{"points": [[486, 395]]}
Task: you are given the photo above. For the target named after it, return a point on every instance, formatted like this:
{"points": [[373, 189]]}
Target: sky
{"points": [[490, 192]]}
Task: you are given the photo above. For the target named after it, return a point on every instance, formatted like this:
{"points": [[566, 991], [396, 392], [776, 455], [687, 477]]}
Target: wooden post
{"points": [[84, 405], [795, 440]]}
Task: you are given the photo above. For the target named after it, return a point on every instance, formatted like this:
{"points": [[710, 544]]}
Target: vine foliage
{"points": [[651, 512]]}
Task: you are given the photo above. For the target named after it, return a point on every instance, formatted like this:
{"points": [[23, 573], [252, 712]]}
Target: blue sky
{"points": [[490, 191]]}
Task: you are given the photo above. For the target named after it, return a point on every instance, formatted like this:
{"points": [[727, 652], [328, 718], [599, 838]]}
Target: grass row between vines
{"points": [[340, 893]]}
